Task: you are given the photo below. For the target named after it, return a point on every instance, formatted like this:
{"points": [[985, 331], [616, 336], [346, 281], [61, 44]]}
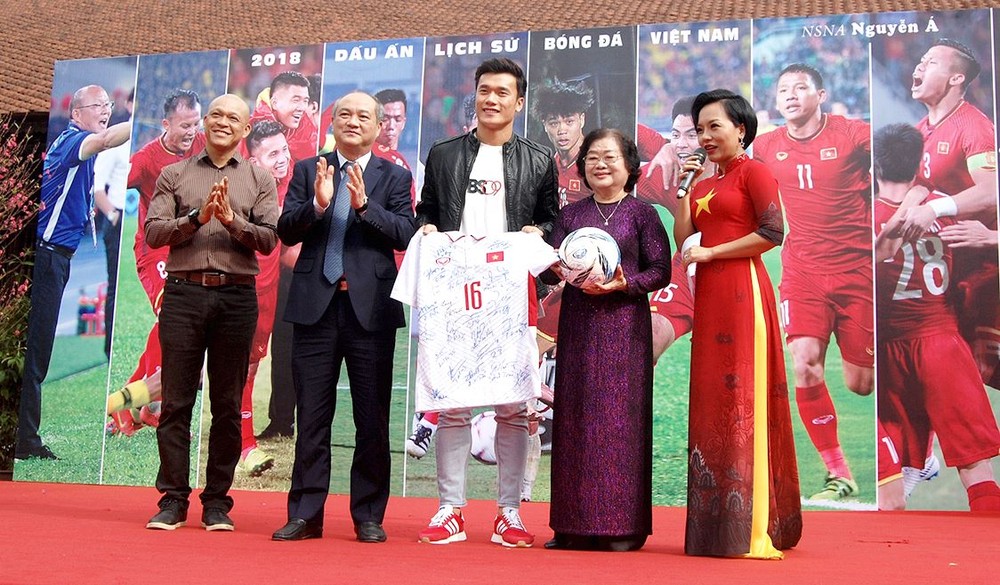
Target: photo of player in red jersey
{"points": [[821, 162], [394, 104], [267, 148], [946, 92], [275, 82], [561, 107], [960, 158], [170, 93], [137, 404], [288, 104], [672, 306], [918, 330], [565, 83], [669, 76], [959, 147]]}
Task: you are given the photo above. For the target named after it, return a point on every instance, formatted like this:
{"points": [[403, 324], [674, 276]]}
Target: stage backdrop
{"points": [[843, 302]]}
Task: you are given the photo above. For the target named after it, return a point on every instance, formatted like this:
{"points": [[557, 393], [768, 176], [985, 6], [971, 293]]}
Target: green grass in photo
{"points": [[72, 406], [131, 460]]}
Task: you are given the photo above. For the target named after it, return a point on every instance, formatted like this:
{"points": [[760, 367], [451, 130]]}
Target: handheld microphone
{"points": [[700, 155]]}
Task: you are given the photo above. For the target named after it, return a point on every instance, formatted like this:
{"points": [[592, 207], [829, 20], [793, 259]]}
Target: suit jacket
{"points": [[369, 265]]}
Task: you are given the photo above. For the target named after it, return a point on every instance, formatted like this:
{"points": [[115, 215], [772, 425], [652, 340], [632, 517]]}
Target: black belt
{"points": [[56, 248], [205, 278]]}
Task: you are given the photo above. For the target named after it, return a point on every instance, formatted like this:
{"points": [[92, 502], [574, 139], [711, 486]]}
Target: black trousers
{"points": [[194, 320], [48, 282], [281, 407], [318, 351]]}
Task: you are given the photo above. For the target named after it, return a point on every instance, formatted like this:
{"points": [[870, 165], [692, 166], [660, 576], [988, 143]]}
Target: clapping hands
{"points": [[217, 205]]}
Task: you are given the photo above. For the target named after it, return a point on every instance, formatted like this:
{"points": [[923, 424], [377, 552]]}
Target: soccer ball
{"points": [[484, 430], [588, 255]]}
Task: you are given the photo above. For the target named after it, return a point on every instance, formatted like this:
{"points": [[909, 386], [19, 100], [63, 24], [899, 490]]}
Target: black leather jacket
{"points": [[530, 180]]}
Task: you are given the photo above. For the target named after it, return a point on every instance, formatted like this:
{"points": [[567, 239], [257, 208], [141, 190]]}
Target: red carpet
{"points": [[55, 533]]}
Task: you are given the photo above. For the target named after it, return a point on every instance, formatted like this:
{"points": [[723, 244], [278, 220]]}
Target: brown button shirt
{"points": [[186, 185]]}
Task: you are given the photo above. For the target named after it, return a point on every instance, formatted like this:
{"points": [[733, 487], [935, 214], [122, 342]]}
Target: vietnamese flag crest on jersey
{"points": [[494, 257]]}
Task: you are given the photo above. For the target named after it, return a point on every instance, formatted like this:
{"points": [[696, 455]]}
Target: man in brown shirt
{"points": [[214, 211]]}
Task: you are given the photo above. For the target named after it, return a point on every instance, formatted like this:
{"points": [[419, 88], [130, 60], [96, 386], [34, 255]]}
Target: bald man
{"points": [[214, 211]]}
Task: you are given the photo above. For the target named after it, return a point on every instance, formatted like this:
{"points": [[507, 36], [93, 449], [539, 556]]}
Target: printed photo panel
{"points": [[449, 109], [810, 92], [391, 72], [73, 356], [591, 71], [933, 96], [632, 78], [676, 62], [172, 93], [449, 101], [282, 84]]}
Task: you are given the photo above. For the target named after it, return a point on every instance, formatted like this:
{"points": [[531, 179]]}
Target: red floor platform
{"points": [[56, 533]]}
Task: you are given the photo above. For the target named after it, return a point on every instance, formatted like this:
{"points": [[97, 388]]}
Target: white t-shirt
{"points": [[111, 170], [473, 313], [485, 211]]}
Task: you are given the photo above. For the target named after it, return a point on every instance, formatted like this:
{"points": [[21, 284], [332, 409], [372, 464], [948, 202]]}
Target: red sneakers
{"points": [[508, 530], [446, 526]]}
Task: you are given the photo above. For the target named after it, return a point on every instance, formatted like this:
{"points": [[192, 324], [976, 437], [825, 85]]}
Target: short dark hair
{"points": [[288, 79], [261, 130], [315, 87], [737, 108], [967, 59], [682, 107], [558, 98], [503, 65], [812, 72], [629, 150], [177, 98], [391, 95], [896, 153]]}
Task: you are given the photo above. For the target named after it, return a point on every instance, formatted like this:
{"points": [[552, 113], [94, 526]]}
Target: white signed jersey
{"points": [[473, 317]]}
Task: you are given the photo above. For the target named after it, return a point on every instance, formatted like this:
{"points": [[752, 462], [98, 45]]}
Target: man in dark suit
{"points": [[349, 210]]}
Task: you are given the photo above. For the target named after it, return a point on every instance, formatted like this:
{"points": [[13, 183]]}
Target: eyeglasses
{"points": [[591, 160], [100, 106]]}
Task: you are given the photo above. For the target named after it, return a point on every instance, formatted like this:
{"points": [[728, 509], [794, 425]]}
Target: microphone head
{"points": [[700, 154]]}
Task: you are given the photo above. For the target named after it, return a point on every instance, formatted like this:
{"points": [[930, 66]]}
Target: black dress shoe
{"points": [[40, 452], [273, 431], [298, 529], [369, 532]]}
